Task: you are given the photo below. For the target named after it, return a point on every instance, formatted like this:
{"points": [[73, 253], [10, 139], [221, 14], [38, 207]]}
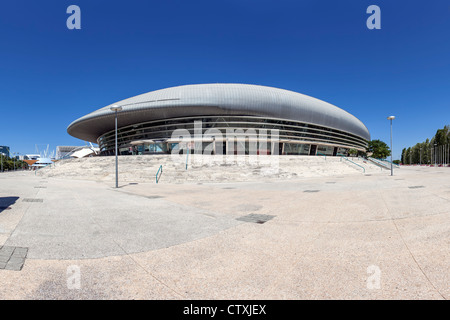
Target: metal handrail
{"points": [[322, 155], [160, 169], [342, 156], [50, 164], [388, 161], [378, 163], [187, 156]]}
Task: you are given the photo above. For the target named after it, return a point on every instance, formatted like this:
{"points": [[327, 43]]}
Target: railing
{"points": [[386, 160], [50, 164], [187, 156], [378, 163], [159, 170], [345, 158], [322, 155]]}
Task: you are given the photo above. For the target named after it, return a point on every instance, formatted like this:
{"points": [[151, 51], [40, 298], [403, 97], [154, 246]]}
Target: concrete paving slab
{"points": [[95, 221]]}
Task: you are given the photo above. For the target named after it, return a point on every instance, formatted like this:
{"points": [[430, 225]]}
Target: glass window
{"points": [[326, 150]]}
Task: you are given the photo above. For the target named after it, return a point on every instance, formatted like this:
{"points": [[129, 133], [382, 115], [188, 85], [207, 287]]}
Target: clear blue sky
{"points": [[50, 75]]}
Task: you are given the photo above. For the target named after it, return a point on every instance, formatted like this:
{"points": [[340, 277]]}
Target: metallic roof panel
{"points": [[217, 99]]}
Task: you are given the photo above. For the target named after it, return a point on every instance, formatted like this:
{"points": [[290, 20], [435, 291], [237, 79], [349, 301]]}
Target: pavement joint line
{"points": [[407, 248], [364, 221], [126, 253]]}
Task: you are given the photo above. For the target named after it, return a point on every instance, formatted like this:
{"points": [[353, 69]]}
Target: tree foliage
{"points": [[379, 149], [9, 164], [423, 152]]}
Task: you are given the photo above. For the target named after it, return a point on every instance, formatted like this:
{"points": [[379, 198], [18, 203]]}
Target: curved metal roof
{"points": [[217, 99]]}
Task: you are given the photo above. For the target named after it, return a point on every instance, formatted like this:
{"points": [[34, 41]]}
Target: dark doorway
{"points": [[312, 151]]}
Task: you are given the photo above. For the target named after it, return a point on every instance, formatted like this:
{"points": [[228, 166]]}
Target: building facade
{"points": [[4, 150], [227, 118]]}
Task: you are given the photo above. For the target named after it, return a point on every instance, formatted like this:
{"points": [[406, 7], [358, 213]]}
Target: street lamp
{"points": [[116, 109], [392, 166]]}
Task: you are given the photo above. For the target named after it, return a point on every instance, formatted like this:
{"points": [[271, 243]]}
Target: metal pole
{"points": [[392, 168], [435, 155], [117, 165], [431, 156]]}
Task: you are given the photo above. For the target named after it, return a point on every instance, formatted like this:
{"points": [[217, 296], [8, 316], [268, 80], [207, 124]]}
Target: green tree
{"points": [[9, 164], [408, 156], [426, 151], [403, 156], [379, 149], [441, 136]]}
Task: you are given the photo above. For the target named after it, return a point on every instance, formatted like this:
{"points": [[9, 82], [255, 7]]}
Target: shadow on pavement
{"points": [[6, 202]]}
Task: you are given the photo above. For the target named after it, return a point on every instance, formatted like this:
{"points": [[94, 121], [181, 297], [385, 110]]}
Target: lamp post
{"points": [[435, 154], [392, 166], [420, 155], [116, 109]]}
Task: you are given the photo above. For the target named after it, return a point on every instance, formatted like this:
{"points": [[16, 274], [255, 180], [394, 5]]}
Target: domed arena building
{"points": [[147, 122]]}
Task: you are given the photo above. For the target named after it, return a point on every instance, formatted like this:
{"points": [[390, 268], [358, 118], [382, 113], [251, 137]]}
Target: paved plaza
{"points": [[342, 236]]}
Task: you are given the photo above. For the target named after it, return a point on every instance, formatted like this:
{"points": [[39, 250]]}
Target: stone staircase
{"points": [[203, 168]]}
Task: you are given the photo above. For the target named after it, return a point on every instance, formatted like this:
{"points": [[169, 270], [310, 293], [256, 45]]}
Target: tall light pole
{"points": [[420, 155], [392, 166], [116, 109], [434, 152]]}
